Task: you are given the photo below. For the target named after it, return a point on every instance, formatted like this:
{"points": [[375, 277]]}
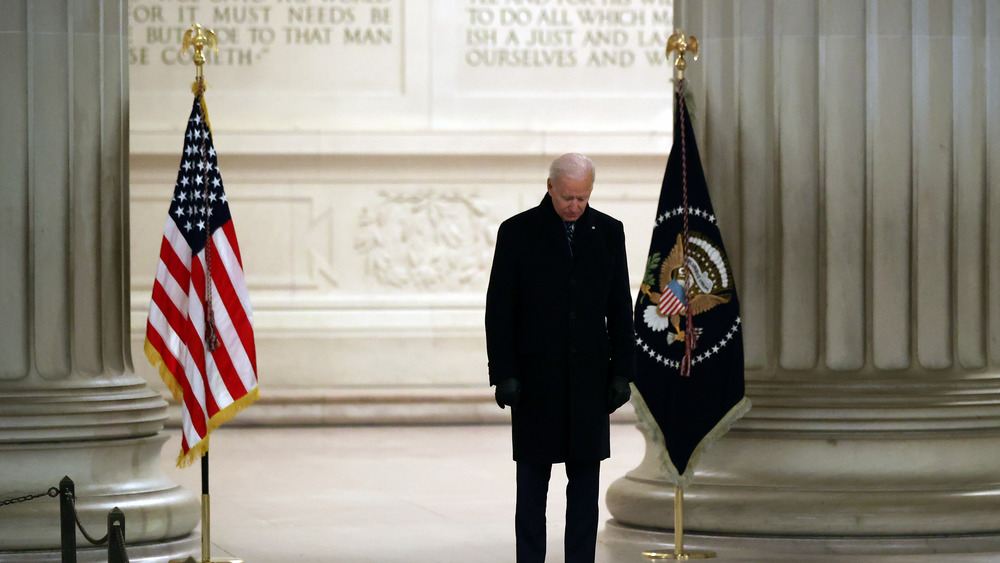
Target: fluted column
{"points": [[852, 151], [70, 403]]}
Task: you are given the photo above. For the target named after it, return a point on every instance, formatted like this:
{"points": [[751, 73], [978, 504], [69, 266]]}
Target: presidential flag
{"points": [[689, 335], [200, 333]]}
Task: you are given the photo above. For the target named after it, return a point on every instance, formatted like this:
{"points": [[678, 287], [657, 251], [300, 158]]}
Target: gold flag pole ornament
{"points": [[198, 38], [682, 45]]}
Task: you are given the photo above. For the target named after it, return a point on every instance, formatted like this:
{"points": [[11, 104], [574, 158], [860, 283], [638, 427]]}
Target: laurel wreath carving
{"points": [[427, 240]]}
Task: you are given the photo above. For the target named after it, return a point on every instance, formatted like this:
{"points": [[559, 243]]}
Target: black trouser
{"points": [[582, 491]]}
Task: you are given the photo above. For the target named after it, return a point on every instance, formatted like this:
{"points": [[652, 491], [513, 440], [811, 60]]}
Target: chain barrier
{"points": [[79, 524], [53, 492], [116, 533]]}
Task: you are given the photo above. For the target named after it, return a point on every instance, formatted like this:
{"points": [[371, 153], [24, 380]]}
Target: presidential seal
{"points": [[674, 288]]}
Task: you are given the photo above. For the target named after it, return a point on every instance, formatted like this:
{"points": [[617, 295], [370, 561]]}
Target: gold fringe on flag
{"points": [[220, 418], [647, 424]]}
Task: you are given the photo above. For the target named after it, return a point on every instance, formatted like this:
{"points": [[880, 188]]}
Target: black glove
{"points": [[618, 392], [508, 392]]}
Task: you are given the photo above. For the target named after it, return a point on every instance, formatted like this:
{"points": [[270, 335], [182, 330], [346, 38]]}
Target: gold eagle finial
{"points": [[682, 44], [199, 37]]}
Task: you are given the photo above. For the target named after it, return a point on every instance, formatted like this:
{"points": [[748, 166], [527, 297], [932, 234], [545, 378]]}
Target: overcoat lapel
{"points": [[555, 231], [583, 234]]}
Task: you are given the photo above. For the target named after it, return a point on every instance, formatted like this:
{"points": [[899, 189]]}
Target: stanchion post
{"points": [[67, 522], [116, 519]]}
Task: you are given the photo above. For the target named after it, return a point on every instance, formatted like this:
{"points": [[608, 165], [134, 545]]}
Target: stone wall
{"points": [[370, 149]]}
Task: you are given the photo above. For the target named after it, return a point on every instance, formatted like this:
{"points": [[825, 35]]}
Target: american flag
{"points": [[215, 376]]}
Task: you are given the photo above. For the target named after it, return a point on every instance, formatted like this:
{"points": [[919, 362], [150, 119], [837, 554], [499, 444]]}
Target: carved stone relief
{"points": [[427, 240]]}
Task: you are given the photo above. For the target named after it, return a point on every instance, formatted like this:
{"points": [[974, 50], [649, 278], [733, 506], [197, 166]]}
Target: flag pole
{"points": [[682, 44], [198, 38], [206, 512]]}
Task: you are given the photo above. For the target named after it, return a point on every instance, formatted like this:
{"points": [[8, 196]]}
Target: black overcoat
{"points": [[560, 321]]}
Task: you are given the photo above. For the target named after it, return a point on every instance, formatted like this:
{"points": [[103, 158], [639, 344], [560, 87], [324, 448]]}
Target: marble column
{"points": [[852, 149], [70, 403]]}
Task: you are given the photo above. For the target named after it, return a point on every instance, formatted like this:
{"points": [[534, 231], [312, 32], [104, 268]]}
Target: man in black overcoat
{"points": [[560, 342]]}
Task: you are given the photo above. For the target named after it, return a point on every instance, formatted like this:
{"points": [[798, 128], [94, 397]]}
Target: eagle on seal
{"points": [[670, 303]]}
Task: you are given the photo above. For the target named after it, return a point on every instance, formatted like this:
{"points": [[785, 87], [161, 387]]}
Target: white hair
{"points": [[572, 165]]}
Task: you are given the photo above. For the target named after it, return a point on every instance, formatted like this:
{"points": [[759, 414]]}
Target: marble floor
{"points": [[426, 494]]}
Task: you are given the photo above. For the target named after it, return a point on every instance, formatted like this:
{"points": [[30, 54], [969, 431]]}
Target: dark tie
{"points": [[570, 225]]}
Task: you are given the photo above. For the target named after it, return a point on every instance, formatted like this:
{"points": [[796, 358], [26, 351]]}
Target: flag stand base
{"points": [[206, 525], [212, 560], [678, 554], [683, 556]]}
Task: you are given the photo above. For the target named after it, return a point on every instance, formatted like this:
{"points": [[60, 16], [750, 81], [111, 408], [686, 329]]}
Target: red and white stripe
{"points": [[669, 303], [211, 388]]}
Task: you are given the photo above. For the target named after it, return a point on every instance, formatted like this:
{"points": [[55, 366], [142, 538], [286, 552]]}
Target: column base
{"points": [[624, 544], [915, 460], [123, 473], [155, 552]]}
